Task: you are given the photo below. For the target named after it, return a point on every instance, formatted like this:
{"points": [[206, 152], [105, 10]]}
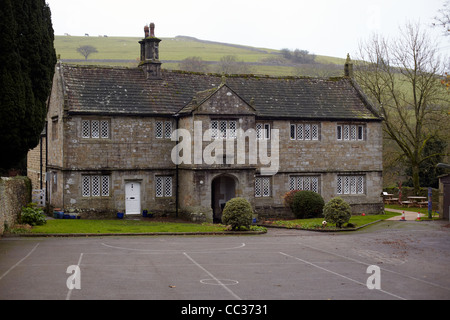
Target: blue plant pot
{"points": [[119, 215]]}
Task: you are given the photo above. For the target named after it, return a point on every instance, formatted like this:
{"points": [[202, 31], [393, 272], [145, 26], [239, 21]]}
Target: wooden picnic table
{"points": [[387, 197], [416, 200], [391, 200]]}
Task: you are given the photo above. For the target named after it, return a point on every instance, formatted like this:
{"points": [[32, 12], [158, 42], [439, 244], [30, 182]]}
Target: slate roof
{"points": [[115, 90]]}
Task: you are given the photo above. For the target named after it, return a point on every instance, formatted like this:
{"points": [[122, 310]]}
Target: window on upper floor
{"points": [[305, 131], [223, 129], [95, 129], [163, 129], [55, 128], [350, 132], [262, 131]]}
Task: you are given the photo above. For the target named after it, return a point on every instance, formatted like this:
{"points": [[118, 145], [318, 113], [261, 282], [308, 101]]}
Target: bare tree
{"points": [[194, 64], [86, 51], [403, 77], [231, 65], [443, 18]]}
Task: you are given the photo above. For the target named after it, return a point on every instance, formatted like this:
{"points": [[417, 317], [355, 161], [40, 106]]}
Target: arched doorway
{"points": [[223, 188]]}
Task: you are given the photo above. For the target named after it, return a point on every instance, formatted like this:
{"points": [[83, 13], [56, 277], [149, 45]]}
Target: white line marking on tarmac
{"points": [[337, 274], [20, 261], [384, 269], [166, 250], [213, 277], [70, 290]]}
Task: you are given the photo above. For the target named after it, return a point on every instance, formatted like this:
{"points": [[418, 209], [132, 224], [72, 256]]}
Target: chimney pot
{"points": [[152, 29], [146, 31]]}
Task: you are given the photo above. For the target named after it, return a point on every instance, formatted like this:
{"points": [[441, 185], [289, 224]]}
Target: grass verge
{"points": [[92, 227], [316, 223]]}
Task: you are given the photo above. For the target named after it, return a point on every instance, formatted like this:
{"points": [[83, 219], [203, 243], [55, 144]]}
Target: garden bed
{"points": [[355, 223]]}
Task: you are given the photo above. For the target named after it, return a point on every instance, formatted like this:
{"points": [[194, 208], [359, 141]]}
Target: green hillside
{"points": [[125, 51]]}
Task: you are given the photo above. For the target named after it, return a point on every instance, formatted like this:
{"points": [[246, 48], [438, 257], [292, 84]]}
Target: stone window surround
{"points": [[351, 184], [223, 128], [351, 132], [305, 131], [164, 186], [263, 187], [263, 130], [95, 185], [305, 182], [95, 128], [163, 129]]}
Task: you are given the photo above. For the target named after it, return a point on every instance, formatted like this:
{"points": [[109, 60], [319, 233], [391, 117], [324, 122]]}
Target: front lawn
{"points": [[316, 223], [75, 226]]}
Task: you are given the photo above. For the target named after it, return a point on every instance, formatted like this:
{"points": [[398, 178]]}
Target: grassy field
{"points": [[175, 49]]}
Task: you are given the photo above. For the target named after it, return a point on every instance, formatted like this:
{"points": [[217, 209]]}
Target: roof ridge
{"points": [[253, 75], [97, 66]]}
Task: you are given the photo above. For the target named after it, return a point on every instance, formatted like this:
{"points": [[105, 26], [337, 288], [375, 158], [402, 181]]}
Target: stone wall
{"points": [[36, 158], [14, 194]]}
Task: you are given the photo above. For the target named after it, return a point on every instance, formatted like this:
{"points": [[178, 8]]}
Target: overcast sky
{"points": [[324, 27]]}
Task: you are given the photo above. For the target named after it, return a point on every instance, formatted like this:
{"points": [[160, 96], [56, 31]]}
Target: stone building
{"points": [[180, 143]]}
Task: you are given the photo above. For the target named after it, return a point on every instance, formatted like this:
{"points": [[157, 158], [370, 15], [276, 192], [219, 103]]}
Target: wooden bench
{"points": [[407, 203], [392, 200], [423, 203]]}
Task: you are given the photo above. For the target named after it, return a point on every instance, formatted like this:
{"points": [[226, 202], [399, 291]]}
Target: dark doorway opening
{"points": [[223, 188]]}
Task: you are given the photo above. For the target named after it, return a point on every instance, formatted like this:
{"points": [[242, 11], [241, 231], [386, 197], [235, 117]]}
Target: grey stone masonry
{"points": [[112, 137]]}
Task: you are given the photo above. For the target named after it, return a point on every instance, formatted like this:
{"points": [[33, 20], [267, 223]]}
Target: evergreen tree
{"points": [[27, 61]]}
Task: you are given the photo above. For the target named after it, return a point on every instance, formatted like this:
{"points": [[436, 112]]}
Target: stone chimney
{"points": [[150, 53], [348, 67]]}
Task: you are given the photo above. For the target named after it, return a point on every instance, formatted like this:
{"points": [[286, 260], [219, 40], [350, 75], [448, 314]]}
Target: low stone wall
{"points": [[14, 193]]}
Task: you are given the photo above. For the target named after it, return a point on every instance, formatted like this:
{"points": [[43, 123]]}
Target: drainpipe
{"points": [[47, 197], [176, 171], [40, 161]]}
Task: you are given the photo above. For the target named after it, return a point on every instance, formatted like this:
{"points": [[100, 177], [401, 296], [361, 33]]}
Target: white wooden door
{"points": [[132, 198]]}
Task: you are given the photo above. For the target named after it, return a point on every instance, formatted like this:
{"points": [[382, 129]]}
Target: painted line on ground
{"points": [[382, 268], [175, 251], [69, 294], [20, 261], [338, 274], [213, 277]]}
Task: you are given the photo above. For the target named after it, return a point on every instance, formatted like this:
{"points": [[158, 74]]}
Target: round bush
{"points": [[307, 204], [238, 213], [32, 215], [337, 211]]}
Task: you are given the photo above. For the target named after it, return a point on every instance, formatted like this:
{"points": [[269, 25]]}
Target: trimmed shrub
{"points": [[238, 213], [307, 204], [32, 215], [337, 211], [289, 199]]}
